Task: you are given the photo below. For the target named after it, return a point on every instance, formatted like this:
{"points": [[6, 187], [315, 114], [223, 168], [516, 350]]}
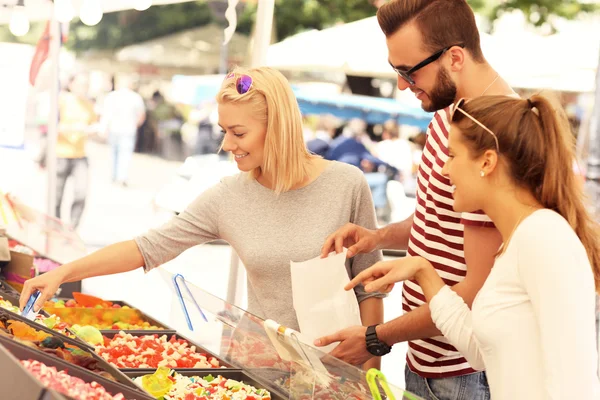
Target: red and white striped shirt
{"points": [[437, 234]]}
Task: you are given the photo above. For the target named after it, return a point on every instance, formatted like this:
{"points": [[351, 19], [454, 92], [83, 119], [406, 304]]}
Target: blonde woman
{"points": [[280, 207]]}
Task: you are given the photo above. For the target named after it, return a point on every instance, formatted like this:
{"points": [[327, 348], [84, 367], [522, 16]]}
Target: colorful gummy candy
{"points": [[169, 385], [52, 322], [7, 305], [104, 317], [152, 351], [27, 335], [67, 384]]}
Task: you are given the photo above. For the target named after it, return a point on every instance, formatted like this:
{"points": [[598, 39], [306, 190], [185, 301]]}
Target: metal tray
{"points": [[15, 302], [75, 341], [235, 374], [18, 384], [6, 288]]}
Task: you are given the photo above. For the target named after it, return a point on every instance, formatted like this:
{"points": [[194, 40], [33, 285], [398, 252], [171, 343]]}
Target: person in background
{"points": [[395, 151], [123, 113], [348, 148], [323, 136], [76, 115], [208, 142], [169, 122]]}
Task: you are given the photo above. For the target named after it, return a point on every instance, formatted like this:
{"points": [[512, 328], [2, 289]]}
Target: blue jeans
{"points": [[465, 387], [78, 169], [122, 146]]}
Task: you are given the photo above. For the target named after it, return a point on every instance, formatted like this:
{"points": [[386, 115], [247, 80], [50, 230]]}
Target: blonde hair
{"points": [[536, 141], [273, 101]]}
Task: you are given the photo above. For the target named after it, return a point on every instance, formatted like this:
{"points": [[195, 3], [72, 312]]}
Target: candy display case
{"points": [[266, 352], [232, 354], [226, 353], [27, 375]]}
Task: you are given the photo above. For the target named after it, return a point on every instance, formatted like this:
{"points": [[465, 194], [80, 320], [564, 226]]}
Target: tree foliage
{"points": [[540, 12], [291, 16]]}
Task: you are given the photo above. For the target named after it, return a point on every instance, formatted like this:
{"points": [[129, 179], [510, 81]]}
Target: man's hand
{"points": [[353, 346], [356, 238]]}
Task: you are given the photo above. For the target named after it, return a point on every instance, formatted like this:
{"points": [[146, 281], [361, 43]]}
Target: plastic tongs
{"points": [[182, 301]]}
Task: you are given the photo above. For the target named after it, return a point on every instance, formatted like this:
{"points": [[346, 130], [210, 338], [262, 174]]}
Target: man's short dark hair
{"points": [[441, 22]]}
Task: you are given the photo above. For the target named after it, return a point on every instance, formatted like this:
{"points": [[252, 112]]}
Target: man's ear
{"points": [[456, 56]]}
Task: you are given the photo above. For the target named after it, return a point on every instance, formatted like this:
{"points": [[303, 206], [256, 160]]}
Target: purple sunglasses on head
{"points": [[243, 82]]}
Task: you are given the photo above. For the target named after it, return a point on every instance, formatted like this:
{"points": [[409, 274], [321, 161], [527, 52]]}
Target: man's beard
{"points": [[443, 93]]}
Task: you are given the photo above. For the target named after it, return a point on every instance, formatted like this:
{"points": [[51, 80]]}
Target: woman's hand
{"points": [[382, 276], [47, 284]]}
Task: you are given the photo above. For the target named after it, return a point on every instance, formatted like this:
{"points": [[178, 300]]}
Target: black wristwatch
{"points": [[374, 345]]}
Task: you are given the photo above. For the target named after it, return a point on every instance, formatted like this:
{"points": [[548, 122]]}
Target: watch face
{"points": [[374, 346], [376, 349]]}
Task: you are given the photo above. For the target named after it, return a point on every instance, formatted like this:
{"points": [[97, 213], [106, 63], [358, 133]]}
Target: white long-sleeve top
{"points": [[532, 325]]}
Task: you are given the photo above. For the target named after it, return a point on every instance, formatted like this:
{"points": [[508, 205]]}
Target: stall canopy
{"points": [[373, 110], [199, 48], [525, 57], [339, 48]]}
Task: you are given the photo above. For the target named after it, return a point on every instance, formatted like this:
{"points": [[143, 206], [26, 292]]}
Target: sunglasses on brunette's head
{"points": [[457, 107]]}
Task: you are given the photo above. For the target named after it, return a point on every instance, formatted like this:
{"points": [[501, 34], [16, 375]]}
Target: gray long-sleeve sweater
{"points": [[267, 231]]}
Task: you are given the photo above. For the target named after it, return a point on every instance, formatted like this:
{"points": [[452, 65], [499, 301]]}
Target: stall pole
{"points": [[51, 162], [263, 30]]}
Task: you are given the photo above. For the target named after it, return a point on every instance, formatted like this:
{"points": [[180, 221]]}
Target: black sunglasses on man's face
{"points": [[406, 74]]}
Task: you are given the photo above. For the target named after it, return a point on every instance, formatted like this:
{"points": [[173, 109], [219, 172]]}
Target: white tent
{"points": [[356, 47], [524, 57], [304, 52], [198, 48]]}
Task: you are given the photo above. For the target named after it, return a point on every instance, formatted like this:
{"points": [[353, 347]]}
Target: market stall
{"points": [[232, 355]]}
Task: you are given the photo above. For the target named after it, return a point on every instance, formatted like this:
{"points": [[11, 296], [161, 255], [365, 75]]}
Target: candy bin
{"points": [[208, 385], [29, 375], [104, 315], [139, 351], [53, 322]]}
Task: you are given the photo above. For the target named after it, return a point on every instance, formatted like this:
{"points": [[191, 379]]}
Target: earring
{"points": [[482, 174]]}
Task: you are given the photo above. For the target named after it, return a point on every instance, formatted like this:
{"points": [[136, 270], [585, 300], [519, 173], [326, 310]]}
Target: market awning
{"points": [[373, 110]]}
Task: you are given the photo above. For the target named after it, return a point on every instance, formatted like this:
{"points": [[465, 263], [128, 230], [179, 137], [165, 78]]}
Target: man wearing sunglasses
{"points": [[434, 47]]}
